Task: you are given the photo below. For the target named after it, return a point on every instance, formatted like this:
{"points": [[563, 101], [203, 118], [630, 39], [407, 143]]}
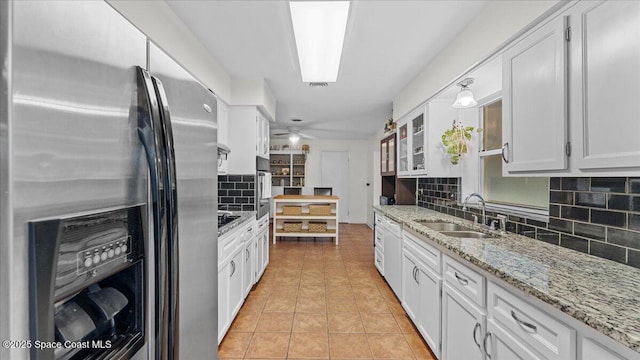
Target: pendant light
{"points": [[465, 96]]}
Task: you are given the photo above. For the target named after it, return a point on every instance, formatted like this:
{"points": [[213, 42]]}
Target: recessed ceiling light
{"points": [[319, 28]]}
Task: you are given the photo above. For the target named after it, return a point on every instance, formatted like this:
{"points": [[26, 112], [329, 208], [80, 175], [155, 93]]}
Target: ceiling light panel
{"points": [[319, 28]]}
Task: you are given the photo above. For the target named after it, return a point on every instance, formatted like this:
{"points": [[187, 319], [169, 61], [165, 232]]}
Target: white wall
{"points": [[254, 92], [163, 27], [496, 23], [359, 171]]}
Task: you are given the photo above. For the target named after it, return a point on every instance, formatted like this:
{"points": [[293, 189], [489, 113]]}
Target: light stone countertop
{"points": [[601, 293]]}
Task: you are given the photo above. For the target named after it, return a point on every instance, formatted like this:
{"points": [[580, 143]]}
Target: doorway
{"points": [[334, 173]]}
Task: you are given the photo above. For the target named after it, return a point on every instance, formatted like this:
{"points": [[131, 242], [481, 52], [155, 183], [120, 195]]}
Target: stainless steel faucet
{"points": [[464, 205]]}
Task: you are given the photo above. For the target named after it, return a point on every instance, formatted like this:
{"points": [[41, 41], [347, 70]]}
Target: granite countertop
{"points": [[243, 217], [603, 294]]}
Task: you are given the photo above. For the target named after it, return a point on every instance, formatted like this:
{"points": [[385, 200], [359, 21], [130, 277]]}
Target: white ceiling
{"points": [[387, 44]]}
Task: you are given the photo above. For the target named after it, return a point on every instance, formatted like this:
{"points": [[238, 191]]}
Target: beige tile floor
{"points": [[321, 301]]}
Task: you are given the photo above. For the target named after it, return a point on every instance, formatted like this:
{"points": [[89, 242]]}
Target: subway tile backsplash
{"points": [[236, 192], [598, 216]]}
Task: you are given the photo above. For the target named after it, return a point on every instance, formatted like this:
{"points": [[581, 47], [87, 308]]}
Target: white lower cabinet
{"points": [[463, 313], [262, 247], [462, 327], [238, 267], [230, 294], [410, 286], [504, 346], [421, 290], [236, 293], [248, 267], [541, 331], [429, 313], [223, 302], [593, 350]]}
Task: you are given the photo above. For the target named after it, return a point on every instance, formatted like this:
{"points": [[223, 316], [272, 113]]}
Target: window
{"points": [[527, 194]]}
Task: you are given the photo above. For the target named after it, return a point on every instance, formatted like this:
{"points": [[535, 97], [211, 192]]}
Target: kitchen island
{"points": [[305, 216]]}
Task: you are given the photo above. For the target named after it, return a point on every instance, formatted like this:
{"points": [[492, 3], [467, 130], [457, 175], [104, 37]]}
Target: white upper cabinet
{"points": [[262, 136], [534, 126], [605, 83], [248, 137], [420, 150]]}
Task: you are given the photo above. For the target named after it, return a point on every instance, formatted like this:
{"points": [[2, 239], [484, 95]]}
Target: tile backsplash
{"points": [[598, 216], [236, 192]]}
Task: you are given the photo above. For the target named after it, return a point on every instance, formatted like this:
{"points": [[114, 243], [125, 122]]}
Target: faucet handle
{"points": [[503, 222], [492, 225]]}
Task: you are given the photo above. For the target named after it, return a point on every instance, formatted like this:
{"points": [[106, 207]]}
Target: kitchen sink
{"points": [[445, 226], [466, 234]]}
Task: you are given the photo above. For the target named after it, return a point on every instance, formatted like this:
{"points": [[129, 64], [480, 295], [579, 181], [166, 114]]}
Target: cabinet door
{"points": [[501, 345], [404, 167], [410, 286], [384, 157], [391, 158], [223, 302], [429, 308], [462, 327], [534, 121], [248, 271], [605, 90], [235, 284], [593, 350], [263, 251], [418, 145]]}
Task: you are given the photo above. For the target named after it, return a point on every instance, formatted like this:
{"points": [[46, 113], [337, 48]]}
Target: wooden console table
{"points": [[303, 219]]}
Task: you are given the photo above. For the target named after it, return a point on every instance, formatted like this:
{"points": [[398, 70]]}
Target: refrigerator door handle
{"points": [[172, 217], [150, 133]]}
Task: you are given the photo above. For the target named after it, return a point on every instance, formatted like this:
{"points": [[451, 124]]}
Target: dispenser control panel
{"points": [[115, 250]]}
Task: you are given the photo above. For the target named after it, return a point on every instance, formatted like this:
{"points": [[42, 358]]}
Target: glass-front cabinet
{"points": [[420, 149], [411, 146]]}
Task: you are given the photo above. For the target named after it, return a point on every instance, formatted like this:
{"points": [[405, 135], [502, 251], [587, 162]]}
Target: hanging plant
{"points": [[455, 140]]}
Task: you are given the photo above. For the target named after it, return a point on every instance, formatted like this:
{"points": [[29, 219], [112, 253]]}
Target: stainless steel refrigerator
{"points": [[95, 119]]}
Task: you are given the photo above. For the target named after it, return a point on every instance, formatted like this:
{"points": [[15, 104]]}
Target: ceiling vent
{"points": [[318, 84]]}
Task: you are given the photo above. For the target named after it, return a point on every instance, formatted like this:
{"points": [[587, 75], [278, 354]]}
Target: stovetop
{"points": [[228, 220]]}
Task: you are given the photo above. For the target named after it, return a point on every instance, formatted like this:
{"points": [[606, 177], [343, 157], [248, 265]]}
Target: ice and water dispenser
{"points": [[87, 284]]}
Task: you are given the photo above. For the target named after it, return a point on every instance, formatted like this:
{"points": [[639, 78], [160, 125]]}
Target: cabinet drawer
{"points": [[379, 261], [426, 253], [227, 244], [551, 338], [247, 232], [466, 281], [379, 236], [379, 219]]}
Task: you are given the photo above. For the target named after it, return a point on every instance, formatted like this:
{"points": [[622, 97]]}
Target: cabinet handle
{"points": [[233, 268], [461, 280], [250, 229], [505, 146], [247, 250], [415, 275], [484, 344], [475, 330], [523, 324]]}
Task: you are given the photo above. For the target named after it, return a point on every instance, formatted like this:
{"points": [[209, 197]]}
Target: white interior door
{"points": [[334, 173]]}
